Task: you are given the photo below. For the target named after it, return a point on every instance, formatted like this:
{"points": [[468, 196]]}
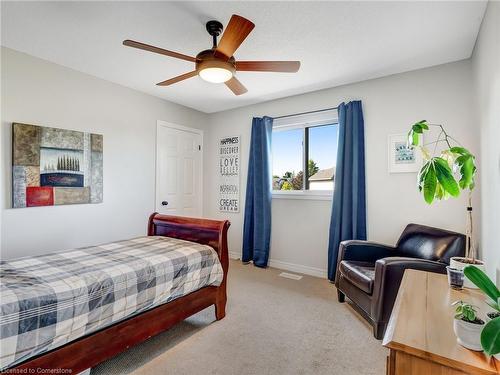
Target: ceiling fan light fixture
{"points": [[215, 75], [212, 69], [217, 64]]}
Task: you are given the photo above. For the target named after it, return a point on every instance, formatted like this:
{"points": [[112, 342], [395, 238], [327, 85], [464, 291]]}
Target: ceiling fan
{"points": [[218, 64]]}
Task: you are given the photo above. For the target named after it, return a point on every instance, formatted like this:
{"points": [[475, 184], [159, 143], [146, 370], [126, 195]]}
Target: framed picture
{"points": [[53, 167], [402, 157]]}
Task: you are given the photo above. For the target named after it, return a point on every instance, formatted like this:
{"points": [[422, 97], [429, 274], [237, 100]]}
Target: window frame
{"points": [[304, 122]]}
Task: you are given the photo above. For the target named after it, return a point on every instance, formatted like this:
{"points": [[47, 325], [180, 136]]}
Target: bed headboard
{"points": [[203, 231]]}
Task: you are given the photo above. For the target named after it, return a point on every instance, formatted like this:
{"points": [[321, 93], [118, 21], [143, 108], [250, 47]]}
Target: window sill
{"points": [[310, 195]]}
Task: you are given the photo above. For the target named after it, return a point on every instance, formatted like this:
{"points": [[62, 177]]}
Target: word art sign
{"points": [[229, 174]]}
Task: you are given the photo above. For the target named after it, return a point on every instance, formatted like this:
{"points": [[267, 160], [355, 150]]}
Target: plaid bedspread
{"points": [[47, 301]]}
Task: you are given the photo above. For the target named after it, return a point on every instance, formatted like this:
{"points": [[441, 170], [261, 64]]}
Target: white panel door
{"points": [[178, 171]]}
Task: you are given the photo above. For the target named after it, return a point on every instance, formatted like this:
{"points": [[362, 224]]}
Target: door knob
{"points": [[164, 203]]}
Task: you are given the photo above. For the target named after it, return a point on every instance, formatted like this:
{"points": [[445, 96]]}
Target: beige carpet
{"points": [[273, 325]]}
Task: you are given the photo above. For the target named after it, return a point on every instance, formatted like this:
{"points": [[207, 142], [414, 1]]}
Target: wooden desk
{"points": [[420, 332]]}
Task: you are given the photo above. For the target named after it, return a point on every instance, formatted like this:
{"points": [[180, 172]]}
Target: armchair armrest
{"points": [[392, 264], [365, 251], [388, 275]]}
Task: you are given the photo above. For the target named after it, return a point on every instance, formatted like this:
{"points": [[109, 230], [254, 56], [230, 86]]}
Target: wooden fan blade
{"points": [[161, 51], [236, 31], [178, 78], [268, 66], [236, 86]]}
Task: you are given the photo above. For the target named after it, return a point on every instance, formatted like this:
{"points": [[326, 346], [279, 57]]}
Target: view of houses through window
{"points": [[304, 158]]}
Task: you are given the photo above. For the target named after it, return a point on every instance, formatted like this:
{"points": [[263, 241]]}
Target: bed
{"points": [[71, 310]]}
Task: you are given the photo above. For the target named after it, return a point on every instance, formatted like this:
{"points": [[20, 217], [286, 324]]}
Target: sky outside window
{"points": [[288, 153], [323, 145]]}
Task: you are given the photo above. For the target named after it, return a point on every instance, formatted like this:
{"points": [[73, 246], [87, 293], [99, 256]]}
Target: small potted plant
{"points": [[490, 335], [446, 172], [467, 326]]}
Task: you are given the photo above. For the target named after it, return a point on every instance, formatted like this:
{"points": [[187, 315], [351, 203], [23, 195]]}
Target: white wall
{"points": [[486, 67], [439, 94], [39, 92]]}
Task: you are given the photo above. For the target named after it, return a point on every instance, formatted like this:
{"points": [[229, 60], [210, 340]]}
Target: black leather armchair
{"points": [[369, 274]]}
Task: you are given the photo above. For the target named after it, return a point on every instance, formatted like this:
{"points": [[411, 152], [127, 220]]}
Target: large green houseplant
{"points": [[448, 169], [490, 335]]}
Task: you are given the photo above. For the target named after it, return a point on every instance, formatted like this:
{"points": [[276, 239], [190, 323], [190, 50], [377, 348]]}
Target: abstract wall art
{"points": [[55, 166]]}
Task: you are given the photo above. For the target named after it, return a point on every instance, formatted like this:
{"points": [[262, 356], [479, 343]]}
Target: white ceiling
{"points": [[337, 42]]}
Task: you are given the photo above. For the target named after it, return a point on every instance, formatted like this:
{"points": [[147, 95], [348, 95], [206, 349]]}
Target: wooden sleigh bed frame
{"points": [[88, 351]]}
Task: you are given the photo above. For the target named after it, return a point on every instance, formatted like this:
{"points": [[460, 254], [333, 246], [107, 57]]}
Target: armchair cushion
{"points": [[361, 274]]}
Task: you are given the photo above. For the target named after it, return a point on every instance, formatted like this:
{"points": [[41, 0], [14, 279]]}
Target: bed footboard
{"points": [[203, 231]]}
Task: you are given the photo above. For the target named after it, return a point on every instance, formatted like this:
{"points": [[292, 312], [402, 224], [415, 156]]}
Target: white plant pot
{"points": [[457, 264], [468, 334]]}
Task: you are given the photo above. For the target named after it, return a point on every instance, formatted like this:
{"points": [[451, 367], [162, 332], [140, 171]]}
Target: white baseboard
{"points": [[299, 268]]}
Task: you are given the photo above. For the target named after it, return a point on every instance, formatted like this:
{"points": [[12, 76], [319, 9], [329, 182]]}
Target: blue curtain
{"points": [[348, 221], [257, 224]]}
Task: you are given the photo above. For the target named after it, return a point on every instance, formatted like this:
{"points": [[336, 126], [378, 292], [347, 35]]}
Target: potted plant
{"points": [[467, 326], [446, 172], [490, 335]]}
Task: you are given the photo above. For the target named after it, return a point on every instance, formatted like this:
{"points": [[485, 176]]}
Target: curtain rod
{"points": [[306, 113]]}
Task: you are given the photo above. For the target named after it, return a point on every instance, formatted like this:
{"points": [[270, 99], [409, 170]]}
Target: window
{"points": [[304, 152]]}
